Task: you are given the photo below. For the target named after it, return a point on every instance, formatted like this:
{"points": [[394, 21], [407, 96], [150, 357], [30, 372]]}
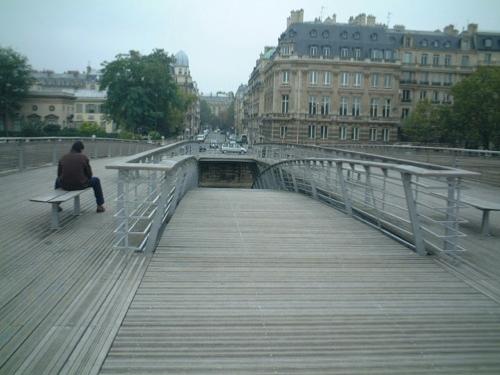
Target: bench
{"points": [[57, 197], [486, 207]]}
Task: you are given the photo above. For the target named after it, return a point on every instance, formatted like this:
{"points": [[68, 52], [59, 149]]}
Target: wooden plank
{"points": [[278, 283]]}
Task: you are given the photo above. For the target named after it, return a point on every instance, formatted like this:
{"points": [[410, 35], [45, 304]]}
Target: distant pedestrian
{"points": [[74, 173]]}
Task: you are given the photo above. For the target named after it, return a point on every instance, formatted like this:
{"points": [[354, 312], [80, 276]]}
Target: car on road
{"points": [[233, 148]]}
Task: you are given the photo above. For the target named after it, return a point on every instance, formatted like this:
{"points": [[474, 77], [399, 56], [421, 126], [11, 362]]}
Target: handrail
{"points": [[403, 201]]}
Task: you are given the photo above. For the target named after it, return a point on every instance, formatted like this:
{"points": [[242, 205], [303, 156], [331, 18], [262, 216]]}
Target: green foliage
{"points": [[31, 129], [51, 129], [15, 80], [476, 108], [424, 124], [89, 129], [224, 121], [141, 93], [154, 135]]}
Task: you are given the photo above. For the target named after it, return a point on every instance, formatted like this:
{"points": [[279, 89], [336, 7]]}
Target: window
{"points": [[386, 110], [435, 97], [356, 104], [374, 107], [387, 81], [285, 50], [324, 132], [374, 36], [313, 78], [325, 105], [327, 51], [344, 79], [344, 53], [356, 35], [79, 108], [407, 58], [447, 60], [327, 78], [313, 51], [423, 95], [355, 134], [312, 131], [343, 133], [325, 34], [424, 77], [435, 43], [465, 60], [52, 108], [488, 43], [283, 131], [313, 33], [424, 43], [284, 103], [358, 79], [373, 134], [406, 96], [388, 54], [487, 58], [343, 34], [312, 105], [357, 53], [435, 60], [343, 106], [90, 108], [407, 41], [385, 134], [448, 79], [285, 76], [35, 108], [377, 54], [423, 59], [374, 80], [405, 112]]}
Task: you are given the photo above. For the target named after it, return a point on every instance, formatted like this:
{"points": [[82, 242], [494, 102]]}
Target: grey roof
{"points": [[340, 35], [481, 41], [434, 40]]}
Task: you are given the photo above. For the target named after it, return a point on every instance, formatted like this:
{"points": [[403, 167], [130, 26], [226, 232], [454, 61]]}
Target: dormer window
{"points": [[313, 33], [285, 50], [325, 34], [292, 33], [356, 35], [374, 36], [343, 34], [488, 43], [447, 44], [435, 44], [313, 51], [424, 43]]}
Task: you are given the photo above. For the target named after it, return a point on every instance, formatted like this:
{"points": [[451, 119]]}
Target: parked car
{"points": [[233, 148]]}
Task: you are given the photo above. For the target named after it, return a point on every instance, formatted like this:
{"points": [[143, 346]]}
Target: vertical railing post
{"points": [[20, 155], [54, 153], [121, 207], [158, 217], [413, 214], [343, 187], [451, 227]]}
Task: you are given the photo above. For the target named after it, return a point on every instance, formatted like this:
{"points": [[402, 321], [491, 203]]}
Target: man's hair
{"points": [[77, 146]]}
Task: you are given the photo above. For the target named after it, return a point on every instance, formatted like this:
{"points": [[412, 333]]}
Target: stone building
{"points": [[182, 75], [329, 82], [239, 111]]}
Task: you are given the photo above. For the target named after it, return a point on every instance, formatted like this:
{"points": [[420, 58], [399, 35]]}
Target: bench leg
{"points": [[54, 219], [76, 206], [485, 223]]}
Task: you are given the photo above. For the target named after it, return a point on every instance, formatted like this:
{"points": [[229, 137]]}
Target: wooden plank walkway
{"points": [[265, 282], [63, 294]]}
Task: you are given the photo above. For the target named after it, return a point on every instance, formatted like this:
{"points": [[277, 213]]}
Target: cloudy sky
{"points": [[223, 38]]}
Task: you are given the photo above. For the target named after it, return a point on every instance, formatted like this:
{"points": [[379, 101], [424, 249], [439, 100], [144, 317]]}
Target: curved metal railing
{"points": [[419, 206]]}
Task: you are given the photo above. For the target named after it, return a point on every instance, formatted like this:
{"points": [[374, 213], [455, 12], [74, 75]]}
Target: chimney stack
{"points": [[296, 16]]}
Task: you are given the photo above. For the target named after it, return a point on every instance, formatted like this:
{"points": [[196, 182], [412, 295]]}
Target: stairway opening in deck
{"points": [[220, 173]]}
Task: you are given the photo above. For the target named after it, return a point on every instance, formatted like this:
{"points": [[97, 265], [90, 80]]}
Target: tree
{"points": [[207, 118], [141, 93], [89, 129], [476, 108], [424, 123], [15, 80]]}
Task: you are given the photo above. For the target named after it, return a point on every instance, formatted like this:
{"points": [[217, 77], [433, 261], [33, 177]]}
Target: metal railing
{"points": [[150, 185], [418, 206], [18, 154]]}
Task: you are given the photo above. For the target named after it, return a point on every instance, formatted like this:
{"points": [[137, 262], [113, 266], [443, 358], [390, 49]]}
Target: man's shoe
{"points": [[100, 209]]}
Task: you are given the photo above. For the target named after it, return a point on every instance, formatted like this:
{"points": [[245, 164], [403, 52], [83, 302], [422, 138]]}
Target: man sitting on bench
{"points": [[74, 173]]}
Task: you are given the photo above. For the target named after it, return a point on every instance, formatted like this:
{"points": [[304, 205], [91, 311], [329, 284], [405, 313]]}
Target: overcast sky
{"points": [[223, 38]]}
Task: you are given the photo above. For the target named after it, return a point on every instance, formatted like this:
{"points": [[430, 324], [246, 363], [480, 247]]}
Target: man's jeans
{"points": [[95, 183]]}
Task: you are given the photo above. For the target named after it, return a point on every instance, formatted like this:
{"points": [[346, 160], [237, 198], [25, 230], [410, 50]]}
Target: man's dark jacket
{"points": [[74, 171]]}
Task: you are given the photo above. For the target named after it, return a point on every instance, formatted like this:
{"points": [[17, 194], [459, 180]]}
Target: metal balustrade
{"points": [[418, 206], [18, 154], [414, 202]]}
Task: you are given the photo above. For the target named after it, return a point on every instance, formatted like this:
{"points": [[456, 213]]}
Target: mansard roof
{"points": [[337, 35]]}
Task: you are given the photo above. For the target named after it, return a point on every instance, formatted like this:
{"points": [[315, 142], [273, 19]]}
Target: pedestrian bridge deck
{"points": [[254, 282]]}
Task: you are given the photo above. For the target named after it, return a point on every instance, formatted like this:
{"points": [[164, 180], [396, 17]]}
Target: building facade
{"points": [[240, 124], [329, 82], [182, 75]]}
